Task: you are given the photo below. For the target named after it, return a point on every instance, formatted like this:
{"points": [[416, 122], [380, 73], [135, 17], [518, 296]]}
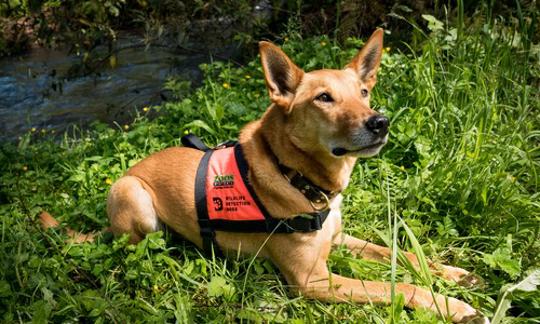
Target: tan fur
{"points": [[299, 132]]}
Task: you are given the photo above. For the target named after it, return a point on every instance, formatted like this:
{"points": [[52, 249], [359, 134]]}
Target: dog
{"points": [[318, 124]]}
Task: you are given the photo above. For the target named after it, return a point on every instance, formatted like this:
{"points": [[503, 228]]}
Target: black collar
{"points": [[317, 196]]}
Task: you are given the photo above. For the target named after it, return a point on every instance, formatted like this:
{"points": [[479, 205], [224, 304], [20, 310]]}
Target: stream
{"points": [[36, 96]]}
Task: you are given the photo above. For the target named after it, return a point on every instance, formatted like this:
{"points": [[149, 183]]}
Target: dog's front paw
{"points": [[478, 318], [462, 277], [461, 312]]}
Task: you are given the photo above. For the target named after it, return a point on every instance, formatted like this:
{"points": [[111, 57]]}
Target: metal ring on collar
{"points": [[326, 202]]}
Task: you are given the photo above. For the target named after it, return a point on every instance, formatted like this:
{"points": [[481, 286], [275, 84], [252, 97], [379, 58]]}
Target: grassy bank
{"points": [[461, 170]]}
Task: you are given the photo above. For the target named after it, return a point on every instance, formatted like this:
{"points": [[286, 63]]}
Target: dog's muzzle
{"points": [[378, 125], [369, 138]]}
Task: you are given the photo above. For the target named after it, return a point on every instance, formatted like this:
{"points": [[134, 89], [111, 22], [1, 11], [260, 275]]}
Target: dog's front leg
{"points": [[325, 286], [302, 258], [383, 254]]}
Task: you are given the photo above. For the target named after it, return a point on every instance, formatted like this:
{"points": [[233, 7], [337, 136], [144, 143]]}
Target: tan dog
{"points": [[318, 124]]}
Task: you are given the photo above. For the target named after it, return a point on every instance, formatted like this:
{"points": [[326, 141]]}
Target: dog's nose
{"points": [[378, 124]]}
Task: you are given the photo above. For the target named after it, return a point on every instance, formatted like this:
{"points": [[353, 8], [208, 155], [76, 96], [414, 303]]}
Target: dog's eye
{"points": [[364, 93], [324, 97]]}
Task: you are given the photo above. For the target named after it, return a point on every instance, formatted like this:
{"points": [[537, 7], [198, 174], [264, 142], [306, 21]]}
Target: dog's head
{"points": [[328, 111]]}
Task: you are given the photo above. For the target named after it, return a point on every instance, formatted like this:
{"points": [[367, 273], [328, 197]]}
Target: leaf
{"points": [[218, 287], [423, 147], [113, 62], [41, 312], [397, 308], [200, 124], [156, 241], [501, 258], [502, 306], [403, 8], [434, 24], [114, 11], [249, 315], [530, 283], [5, 289], [215, 286], [49, 297], [425, 273]]}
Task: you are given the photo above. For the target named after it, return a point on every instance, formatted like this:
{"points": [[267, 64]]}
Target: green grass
{"points": [[458, 181]]}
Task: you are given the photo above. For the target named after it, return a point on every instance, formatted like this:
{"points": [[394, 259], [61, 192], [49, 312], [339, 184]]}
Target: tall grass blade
{"points": [[425, 273], [422, 260], [397, 303]]}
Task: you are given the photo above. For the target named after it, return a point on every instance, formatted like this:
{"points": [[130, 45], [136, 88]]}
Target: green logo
{"points": [[224, 181]]}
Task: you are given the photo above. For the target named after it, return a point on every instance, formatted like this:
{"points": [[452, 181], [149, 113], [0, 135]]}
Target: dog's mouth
{"points": [[366, 151]]}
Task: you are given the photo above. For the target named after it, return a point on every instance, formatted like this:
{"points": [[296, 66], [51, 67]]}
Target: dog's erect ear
{"points": [[281, 74], [366, 62]]}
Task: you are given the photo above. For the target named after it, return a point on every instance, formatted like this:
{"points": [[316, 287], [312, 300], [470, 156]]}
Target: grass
{"points": [[458, 182]]}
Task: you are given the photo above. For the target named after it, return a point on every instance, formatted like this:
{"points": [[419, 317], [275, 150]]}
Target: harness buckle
{"points": [[225, 144]]}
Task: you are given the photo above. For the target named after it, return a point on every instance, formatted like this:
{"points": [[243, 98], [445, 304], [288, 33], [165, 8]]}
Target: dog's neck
{"points": [[274, 146]]}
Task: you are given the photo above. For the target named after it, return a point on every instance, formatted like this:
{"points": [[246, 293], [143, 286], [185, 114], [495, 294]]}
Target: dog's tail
{"points": [[48, 221]]}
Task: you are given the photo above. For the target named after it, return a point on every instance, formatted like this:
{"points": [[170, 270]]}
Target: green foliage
{"points": [[529, 284], [460, 171], [80, 23], [90, 28]]}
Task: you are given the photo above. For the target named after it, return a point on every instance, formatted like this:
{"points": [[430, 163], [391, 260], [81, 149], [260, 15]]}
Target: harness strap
{"points": [[302, 223], [192, 141], [244, 168], [207, 232]]}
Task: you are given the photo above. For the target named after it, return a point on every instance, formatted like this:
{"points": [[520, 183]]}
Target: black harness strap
{"points": [[192, 141], [302, 223], [207, 232]]}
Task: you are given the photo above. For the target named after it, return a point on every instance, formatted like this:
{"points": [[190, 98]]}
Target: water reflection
{"points": [[35, 93]]}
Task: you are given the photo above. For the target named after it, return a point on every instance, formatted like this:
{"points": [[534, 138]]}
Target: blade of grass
{"points": [[393, 226], [423, 263]]}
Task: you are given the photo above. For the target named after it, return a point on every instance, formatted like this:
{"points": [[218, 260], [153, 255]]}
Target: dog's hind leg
{"points": [[131, 209], [48, 221]]}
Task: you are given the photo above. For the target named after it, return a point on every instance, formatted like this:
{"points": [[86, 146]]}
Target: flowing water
{"points": [[36, 95]]}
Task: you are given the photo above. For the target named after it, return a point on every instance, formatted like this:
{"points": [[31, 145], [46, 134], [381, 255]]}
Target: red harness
{"points": [[226, 201], [227, 197]]}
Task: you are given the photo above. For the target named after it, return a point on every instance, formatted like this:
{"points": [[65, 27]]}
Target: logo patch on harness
{"points": [[227, 196], [224, 181]]}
